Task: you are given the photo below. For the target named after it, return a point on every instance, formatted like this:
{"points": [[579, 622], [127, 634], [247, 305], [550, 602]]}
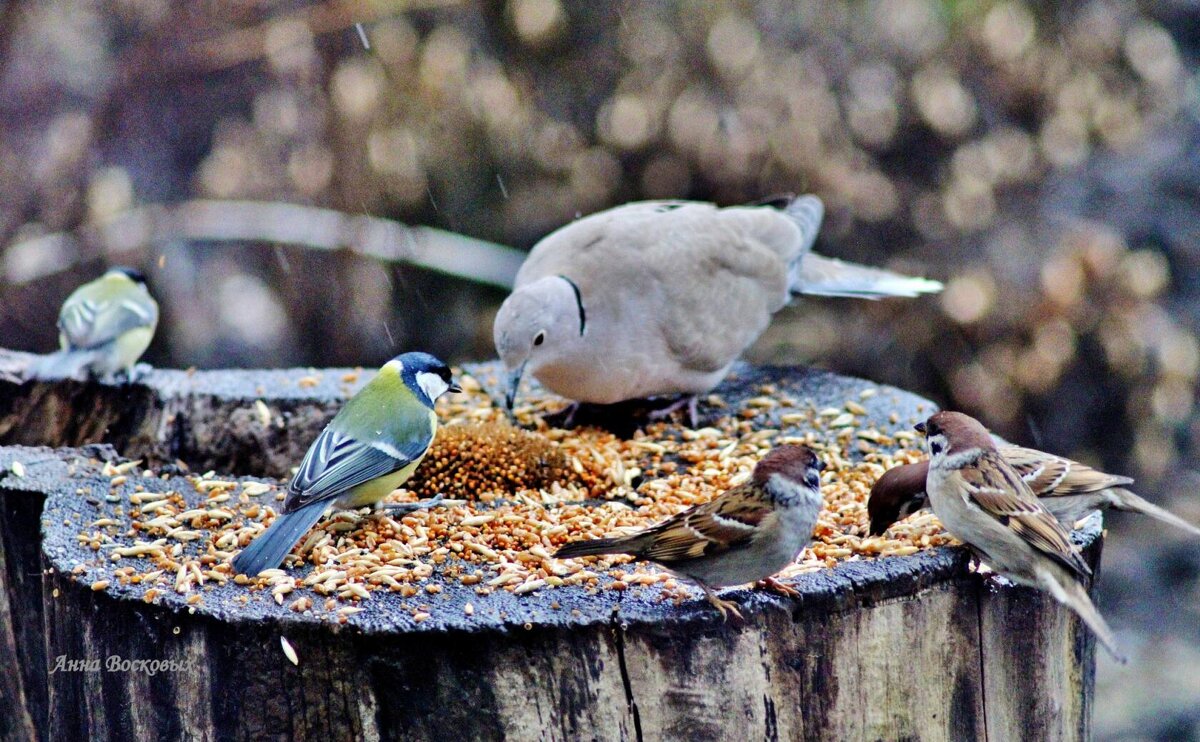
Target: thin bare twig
{"points": [[130, 235]]}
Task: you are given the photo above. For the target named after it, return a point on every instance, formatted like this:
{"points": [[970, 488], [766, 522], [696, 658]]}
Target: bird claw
{"points": [[564, 418], [776, 586], [130, 375], [403, 508], [690, 401], [724, 606]]}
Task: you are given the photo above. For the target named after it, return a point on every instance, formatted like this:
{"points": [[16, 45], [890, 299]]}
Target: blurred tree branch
{"points": [[130, 235]]}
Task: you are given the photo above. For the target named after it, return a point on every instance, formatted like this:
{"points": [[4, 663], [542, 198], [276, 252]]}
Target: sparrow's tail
{"points": [[62, 364], [627, 545], [270, 547], [1123, 499], [1073, 595], [817, 275]]}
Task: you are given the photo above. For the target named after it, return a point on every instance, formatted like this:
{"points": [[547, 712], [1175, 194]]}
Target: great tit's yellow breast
{"points": [[131, 345], [369, 493]]}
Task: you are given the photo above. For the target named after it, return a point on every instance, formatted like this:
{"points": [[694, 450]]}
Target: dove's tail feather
{"points": [[62, 364], [1123, 499], [627, 545], [1073, 595], [817, 275], [269, 548], [807, 212]]}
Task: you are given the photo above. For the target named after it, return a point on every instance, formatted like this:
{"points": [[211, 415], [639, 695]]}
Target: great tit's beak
{"points": [[514, 381], [920, 428], [454, 388]]}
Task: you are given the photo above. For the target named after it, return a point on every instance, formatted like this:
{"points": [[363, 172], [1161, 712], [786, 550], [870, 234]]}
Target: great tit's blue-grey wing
{"points": [[337, 462], [89, 322]]}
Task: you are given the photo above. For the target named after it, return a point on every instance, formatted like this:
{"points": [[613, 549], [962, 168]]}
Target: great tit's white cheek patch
{"points": [[433, 385]]}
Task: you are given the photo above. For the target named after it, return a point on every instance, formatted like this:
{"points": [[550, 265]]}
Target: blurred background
{"points": [[1041, 158]]}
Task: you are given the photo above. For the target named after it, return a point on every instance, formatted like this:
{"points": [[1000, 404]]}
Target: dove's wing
{"points": [[707, 279]]}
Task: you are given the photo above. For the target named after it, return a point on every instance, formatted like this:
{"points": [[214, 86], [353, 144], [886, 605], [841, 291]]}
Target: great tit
{"points": [[369, 449], [104, 326]]}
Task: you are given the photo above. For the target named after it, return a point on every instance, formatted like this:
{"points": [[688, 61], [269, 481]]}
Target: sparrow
{"points": [[1070, 490], [104, 327], [369, 448], [982, 501], [746, 534], [660, 297]]}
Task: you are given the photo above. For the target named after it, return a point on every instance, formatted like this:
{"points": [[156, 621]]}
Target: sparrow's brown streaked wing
{"points": [[730, 520], [998, 490], [1053, 476]]}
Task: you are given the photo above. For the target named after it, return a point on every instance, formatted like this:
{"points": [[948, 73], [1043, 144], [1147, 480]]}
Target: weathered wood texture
{"points": [[898, 648], [210, 420]]}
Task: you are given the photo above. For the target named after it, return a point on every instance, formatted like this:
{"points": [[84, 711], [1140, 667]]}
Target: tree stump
{"points": [[913, 647]]}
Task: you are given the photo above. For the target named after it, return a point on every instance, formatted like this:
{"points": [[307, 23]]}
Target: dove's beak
{"points": [[514, 381]]}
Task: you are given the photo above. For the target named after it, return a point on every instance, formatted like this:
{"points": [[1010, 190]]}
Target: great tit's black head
{"points": [[133, 274], [427, 374]]}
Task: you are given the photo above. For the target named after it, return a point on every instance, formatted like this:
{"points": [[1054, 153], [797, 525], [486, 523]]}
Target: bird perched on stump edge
{"points": [[982, 501], [104, 327]]}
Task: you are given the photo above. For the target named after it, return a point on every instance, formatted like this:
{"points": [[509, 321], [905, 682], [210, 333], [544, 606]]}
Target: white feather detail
{"points": [[959, 459], [732, 522], [433, 385], [134, 307], [389, 449]]}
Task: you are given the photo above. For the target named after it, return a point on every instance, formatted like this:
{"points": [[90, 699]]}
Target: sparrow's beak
{"points": [[514, 381], [920, 428], [454, 388]]}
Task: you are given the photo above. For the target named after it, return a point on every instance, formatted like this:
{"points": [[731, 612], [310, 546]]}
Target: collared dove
{"points": [[661, 297]]}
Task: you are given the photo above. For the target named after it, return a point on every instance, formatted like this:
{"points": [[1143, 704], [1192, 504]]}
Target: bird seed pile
{"points": [[514, 495]]}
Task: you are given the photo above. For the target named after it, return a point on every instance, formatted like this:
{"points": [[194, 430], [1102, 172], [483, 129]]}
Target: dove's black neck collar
{"points": [[578, 304]]}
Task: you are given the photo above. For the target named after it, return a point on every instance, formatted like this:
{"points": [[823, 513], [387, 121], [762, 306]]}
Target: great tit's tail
{"points": [[817, 275], [626, 545], [1073, 595], [62, 364], [1123, 499], [270, 547]]}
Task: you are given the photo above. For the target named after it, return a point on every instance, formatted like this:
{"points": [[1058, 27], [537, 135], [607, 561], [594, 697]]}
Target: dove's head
{"points": [[535, 325]]}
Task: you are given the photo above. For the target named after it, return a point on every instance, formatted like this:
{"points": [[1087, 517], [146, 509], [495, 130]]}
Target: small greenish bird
{"points": [[104, 326], [371, 447]]}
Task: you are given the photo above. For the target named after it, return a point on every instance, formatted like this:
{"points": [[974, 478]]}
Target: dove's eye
{"points": [[539, 338]]}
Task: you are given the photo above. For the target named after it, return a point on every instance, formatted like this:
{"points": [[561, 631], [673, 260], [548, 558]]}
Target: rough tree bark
{"points": [[898, 648]]}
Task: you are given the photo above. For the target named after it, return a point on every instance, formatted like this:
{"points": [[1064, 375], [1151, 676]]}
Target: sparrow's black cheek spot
{"points": [[813, 481], [935, 448]]}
